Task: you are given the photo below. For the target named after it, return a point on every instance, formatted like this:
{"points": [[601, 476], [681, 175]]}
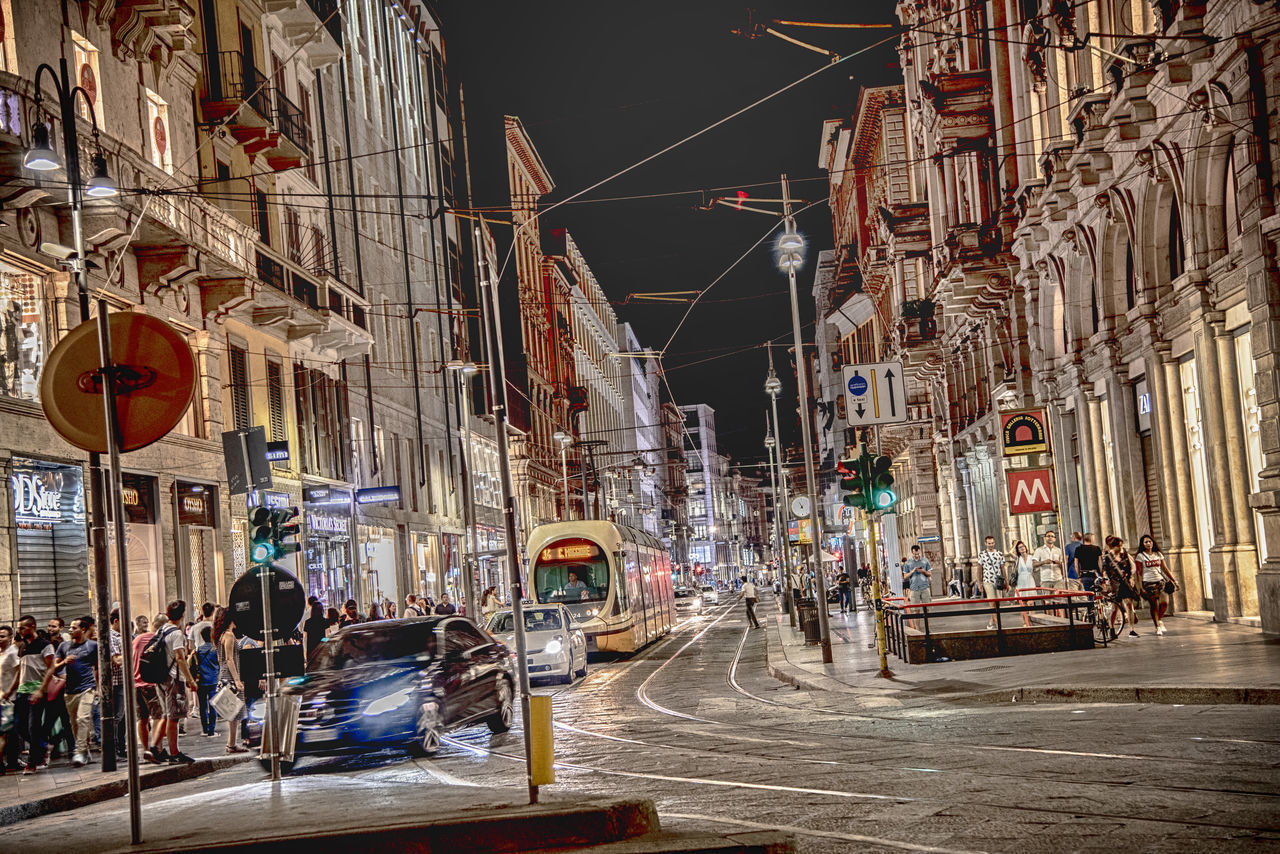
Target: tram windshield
{"points": [[571, 570]]}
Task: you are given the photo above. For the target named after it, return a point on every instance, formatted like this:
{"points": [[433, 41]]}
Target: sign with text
{"points": [[245, 452], [874, 394], [1024, 432], [1030, 491], [378, 495]]}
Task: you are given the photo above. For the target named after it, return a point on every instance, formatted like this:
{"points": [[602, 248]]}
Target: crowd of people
{"points": [[1129, 578]]}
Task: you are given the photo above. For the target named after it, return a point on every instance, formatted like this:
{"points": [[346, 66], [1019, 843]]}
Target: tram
{"points": [[615, 581]]}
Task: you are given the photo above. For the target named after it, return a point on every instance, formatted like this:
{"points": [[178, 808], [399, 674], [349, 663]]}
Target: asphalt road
{"points": [[696, 723]]}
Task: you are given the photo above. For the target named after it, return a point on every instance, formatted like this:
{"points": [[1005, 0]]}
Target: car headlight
{"points": [[554, 645], [390, 702], [257, 710]]}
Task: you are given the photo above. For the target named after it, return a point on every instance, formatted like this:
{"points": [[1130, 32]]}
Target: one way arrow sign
{"points": [[874, 394]]}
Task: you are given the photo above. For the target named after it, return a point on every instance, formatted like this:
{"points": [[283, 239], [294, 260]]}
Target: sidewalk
{"points": [[62, 786], [1195, 663]]}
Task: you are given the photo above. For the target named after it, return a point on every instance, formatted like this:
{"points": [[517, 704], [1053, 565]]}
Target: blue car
{"points": [[402, 683]]}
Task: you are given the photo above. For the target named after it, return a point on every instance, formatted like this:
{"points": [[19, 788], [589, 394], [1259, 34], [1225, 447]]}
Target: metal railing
{"points": [[291, 122], [229, 76], [900, 616]]}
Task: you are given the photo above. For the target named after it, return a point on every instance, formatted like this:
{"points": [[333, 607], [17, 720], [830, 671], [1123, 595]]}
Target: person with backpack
{"points": [[205, 659], [164, 663], [150, 712]]}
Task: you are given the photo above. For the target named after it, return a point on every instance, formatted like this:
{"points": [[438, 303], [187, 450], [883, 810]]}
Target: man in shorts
{"points": [[173, 690], [150, 711]]}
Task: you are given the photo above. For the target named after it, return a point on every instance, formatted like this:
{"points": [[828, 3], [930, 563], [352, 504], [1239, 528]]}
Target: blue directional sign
{"points": [[876, 394]]}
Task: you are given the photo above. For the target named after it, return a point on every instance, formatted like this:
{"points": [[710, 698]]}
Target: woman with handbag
{"points": [[230, 694], [1025, 567], [1117, 565], [1157, 582]]}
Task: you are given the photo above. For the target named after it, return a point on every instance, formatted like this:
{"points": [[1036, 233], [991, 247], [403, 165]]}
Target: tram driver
{"points": [[575, 586]]}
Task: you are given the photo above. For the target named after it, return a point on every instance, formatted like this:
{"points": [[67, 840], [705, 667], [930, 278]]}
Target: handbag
{"points": [[227, 702], [1000, 582], [54, 688], [1169, 586]]}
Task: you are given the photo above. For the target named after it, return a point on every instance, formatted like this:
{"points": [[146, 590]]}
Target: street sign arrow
{"points": [[893, 407]]}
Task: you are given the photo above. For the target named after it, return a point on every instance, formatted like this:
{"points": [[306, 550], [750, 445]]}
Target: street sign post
{"points": [[245, 452], [874, 394]]}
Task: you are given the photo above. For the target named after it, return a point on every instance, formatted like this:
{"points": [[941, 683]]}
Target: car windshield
{"points": [[368, 644], [571, 570], [535, 620], [685, 593]]}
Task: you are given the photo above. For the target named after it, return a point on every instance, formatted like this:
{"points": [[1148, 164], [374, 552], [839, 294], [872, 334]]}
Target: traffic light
{"points": [[880, 482], [855, 482], [262, 547], [286, 530]]}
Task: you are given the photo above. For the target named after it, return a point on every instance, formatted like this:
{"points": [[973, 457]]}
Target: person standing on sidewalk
{"points": [[1088, 560], [752, 597], [9, 666], [79, 658], [1157, 582], [35, 670], [206, 671], [916, 576], [1024, 565], [1049, 561], [224, 639], [844, 587], [117, 683], [1069, 551], [994, 581]]}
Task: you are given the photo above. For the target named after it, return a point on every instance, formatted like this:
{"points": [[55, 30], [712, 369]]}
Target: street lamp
{"points": [[789, 255], [564, 440], [462, 373], [769, 445], [42, 157]]}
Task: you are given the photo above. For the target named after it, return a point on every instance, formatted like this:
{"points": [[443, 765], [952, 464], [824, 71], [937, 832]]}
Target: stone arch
{"points": [[1159, 211], [1119, 287], [1056, 335], [1217, 151]]}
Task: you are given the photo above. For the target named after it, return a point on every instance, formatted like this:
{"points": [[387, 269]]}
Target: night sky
{"points": [[602, 85]]}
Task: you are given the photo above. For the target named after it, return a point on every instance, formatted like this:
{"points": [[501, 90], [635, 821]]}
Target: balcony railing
{"points": [[229, 76], [290, 122]]}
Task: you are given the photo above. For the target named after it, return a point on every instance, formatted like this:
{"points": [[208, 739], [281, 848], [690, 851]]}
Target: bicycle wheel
{"points": [[1108, 620]]}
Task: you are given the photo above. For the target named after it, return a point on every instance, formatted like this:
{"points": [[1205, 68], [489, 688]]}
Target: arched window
{"points": [[1177, 250], [1231, 206], [1093, 307], [1130, 292]]}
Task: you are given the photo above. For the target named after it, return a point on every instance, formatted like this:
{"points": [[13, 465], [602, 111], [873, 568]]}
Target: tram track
{"points": [[649, 696]]}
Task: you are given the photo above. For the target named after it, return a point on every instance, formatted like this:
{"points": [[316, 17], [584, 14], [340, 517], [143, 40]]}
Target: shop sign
{"points": [[1024, 432], [323, 523], [378, 495], [1030, 491], [195, 504], [267, 498], [326, 496], [32, 503], [1142, 405], [277, 452]]}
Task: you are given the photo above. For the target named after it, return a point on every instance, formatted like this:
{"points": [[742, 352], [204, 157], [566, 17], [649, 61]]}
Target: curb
{"points": [[790, 674], [99, 792]]}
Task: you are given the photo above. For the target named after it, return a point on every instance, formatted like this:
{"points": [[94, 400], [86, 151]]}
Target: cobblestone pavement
{"points": [[696, 723]]}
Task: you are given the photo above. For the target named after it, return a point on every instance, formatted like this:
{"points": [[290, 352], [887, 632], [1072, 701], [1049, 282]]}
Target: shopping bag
{"points": [[227, 703]]}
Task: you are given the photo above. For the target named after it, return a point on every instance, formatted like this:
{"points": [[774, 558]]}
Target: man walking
{"points": [[35, 670], [1049, 561], [844, 586], [992, 561], [1069, 551], [916, 576], [1088, 557], [117, 683], [173, 690], [9, 739], [752, 597], [79, 657]]}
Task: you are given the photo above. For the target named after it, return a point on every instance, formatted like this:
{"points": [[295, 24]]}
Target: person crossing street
{"points": [[751, 597]]}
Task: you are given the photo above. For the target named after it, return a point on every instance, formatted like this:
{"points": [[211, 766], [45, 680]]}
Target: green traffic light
{"points": [[262, 552]]}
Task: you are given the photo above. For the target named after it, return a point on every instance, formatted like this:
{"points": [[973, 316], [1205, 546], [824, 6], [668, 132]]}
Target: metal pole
{"points": [[786, 510], [122, 565], [469, 495], [270, 726], [564, 476], [811, 481], [582, 469], [875, 592], [773, 491], [497, 371]]}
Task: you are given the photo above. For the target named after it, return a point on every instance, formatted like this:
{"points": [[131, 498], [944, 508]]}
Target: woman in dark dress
{"points": [[1117, 566], [315, 627]]}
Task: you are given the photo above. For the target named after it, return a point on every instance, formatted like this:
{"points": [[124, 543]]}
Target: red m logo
{"points": [[1031, 491]]}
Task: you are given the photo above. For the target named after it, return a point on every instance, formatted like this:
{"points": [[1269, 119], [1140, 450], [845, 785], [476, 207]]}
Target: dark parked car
{"points": [[402, 683]]}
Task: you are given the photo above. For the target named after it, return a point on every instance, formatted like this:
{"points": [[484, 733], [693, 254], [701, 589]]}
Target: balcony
{"points": [[313, 25], [256, 114]]}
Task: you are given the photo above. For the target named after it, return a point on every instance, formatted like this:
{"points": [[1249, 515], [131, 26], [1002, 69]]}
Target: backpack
{"points": [[153, 664], [207, 668]]}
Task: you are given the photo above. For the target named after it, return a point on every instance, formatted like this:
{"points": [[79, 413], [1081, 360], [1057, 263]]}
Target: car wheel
{"points": [[583, 671], [500, 720], [430, 726], [567, 678]]}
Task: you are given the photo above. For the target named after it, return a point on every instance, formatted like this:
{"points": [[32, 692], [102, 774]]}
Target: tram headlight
{"points": [[555, 645], [591, 612]]}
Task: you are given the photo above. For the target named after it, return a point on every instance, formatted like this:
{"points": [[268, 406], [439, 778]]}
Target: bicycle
{"points": [[1107, 615]]}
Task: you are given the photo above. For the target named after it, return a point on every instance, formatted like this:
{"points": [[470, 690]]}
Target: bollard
{"points": [[542, 749]]}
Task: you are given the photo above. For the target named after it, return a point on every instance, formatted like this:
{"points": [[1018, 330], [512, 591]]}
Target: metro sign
{"points": [[1031, 491]]}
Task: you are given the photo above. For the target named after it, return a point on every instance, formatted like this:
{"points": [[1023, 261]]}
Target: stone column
{"points": [[1089, 515], [1102, 471], [963, 500], [1171, 495], [1192, 580], [1245, 555], [1062, 425], [1126, 458], [1226, 589]]}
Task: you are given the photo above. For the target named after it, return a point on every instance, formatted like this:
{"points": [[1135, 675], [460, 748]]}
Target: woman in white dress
{"points": [[1026, 581]]}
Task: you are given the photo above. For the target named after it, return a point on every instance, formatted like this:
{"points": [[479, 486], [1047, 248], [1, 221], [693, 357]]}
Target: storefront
{"points": [[378, 548], [199, 565], [143, 548], [52, 543], [331, 575], [426, 562]]}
